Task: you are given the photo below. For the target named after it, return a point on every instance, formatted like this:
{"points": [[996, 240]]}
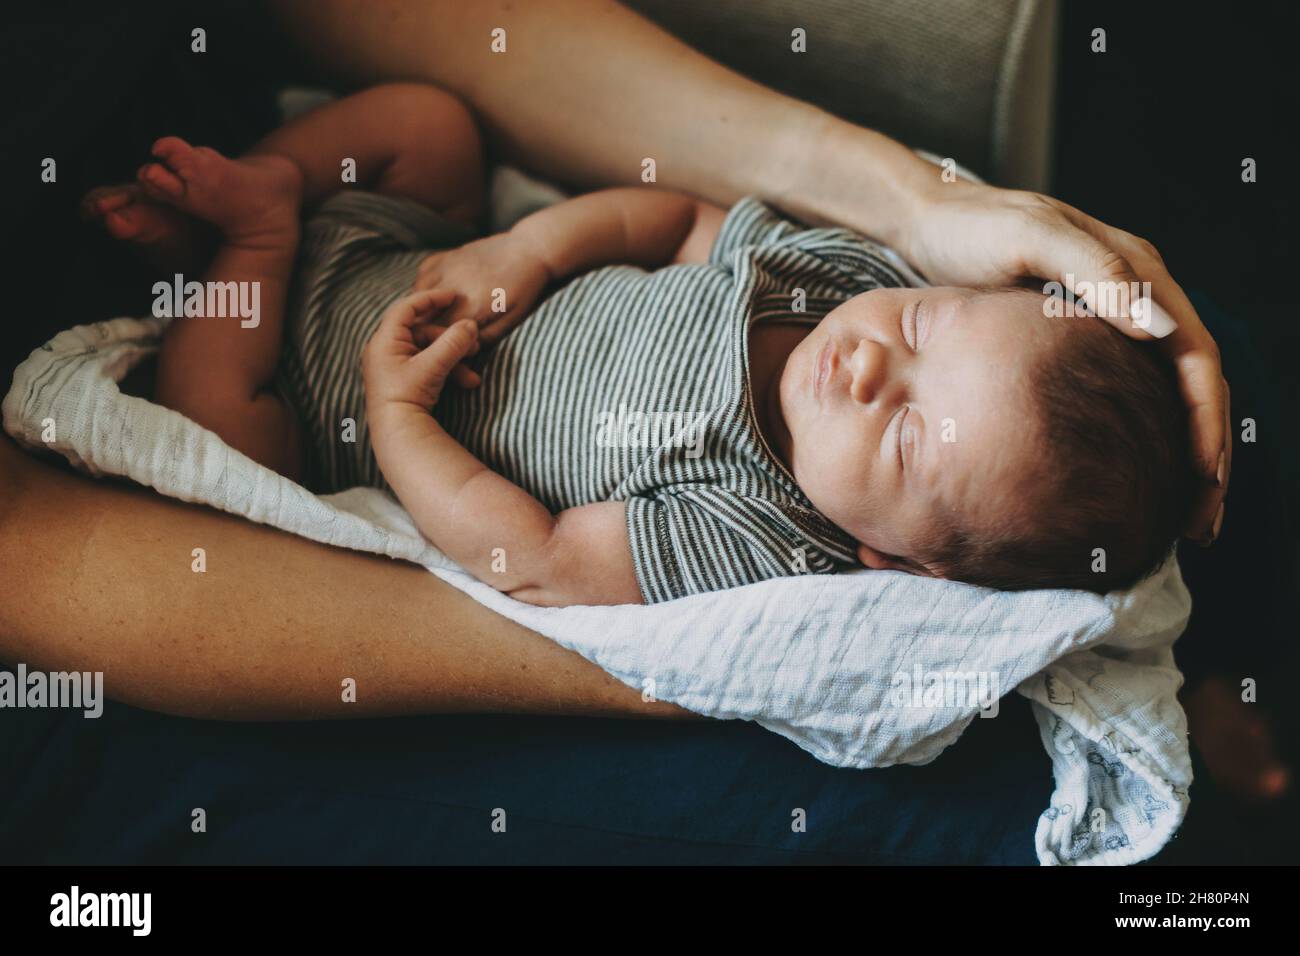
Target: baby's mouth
{"points": [[823, 368]]}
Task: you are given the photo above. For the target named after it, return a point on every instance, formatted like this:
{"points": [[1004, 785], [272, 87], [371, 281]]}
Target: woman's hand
{"points": [[409, 358], [497, 280], [966, 233]]}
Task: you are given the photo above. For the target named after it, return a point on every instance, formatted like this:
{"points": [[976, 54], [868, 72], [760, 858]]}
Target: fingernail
{"points": [[1152, 319], [1223, 464], [1212, 535]]}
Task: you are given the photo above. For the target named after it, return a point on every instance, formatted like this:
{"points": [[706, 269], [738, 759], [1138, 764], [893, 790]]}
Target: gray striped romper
{"points": [[622, 385]]}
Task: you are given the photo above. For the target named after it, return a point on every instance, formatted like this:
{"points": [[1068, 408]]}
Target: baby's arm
{"points": [[491, 527], [644, 227]]}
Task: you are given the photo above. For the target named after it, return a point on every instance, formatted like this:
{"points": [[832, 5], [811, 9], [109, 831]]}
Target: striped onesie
{"points": [[622, 385]]}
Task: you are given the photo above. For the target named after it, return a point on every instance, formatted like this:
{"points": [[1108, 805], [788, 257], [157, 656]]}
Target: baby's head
{"points": [[965, 434]]}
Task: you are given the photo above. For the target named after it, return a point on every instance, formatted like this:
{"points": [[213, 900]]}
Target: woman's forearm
{"points": [[98, 576], [571, 98]]}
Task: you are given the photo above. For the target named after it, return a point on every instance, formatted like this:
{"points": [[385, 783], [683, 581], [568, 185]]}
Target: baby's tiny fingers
{"points": [[417, 306], [429, 278], [447, 351], [466, 377], [496, 327], [427, 333], [424, 302], [465, 309]]}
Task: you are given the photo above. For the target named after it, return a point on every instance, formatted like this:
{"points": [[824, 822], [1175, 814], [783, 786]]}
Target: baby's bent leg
{"points": [[220, 373], [405, 139], [218, 370]]}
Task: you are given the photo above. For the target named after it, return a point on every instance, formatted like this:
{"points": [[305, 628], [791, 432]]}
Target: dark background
{"points": [[1150, 138], [1152, 133]]}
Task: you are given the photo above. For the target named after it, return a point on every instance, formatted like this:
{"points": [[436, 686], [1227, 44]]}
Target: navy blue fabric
{"points": [[121, 789]]}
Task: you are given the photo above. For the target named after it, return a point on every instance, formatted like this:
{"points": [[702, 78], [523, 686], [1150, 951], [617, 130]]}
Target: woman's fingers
{"points": [[1225, 468], [1194, 353], [1143, 300], [1123, 279], [1099, 268], [1207, 507], [1204, 390], [1200, 377]]}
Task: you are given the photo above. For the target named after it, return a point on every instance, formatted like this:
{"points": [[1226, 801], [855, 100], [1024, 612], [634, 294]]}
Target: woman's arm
{"points": [[97, 576], [644, 227], [586, 90]]}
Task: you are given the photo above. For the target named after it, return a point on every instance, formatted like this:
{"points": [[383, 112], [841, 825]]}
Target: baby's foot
{"points": [[250, 200], [163, 236], [1236, 742]]}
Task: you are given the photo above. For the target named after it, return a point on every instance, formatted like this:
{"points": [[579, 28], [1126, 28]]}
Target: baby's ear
{"points": [[880, 561]]}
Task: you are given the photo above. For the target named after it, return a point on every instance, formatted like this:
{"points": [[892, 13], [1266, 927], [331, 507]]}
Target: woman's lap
{"points": [[99, 576]]}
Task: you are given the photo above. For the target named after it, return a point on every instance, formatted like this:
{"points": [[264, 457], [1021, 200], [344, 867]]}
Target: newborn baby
{"points": [[687, 399]]}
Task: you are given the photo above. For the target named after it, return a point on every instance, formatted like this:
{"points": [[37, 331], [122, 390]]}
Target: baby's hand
{"points": [[497, 281], [409, 358]]}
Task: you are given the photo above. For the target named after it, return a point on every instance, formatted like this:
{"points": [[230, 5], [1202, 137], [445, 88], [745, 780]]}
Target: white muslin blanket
{"points": [[861, 670]]}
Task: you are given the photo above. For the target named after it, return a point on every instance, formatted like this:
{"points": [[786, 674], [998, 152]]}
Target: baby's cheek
{"points": [[855, 502]]}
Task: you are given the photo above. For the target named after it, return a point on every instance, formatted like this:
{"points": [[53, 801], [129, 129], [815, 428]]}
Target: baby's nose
{"points": [[869, 365]]}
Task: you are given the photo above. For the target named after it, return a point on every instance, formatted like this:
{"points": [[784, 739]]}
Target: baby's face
{"points": [[904, 404]]}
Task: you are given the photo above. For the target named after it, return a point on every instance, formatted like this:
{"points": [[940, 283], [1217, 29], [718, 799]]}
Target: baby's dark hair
{"points": [[1116, 474]]}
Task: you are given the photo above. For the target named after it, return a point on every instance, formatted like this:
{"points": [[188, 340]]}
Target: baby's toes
{"points": [[104, 199], [160, 183], [173, 151], [185, 161], [124, 223]]}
